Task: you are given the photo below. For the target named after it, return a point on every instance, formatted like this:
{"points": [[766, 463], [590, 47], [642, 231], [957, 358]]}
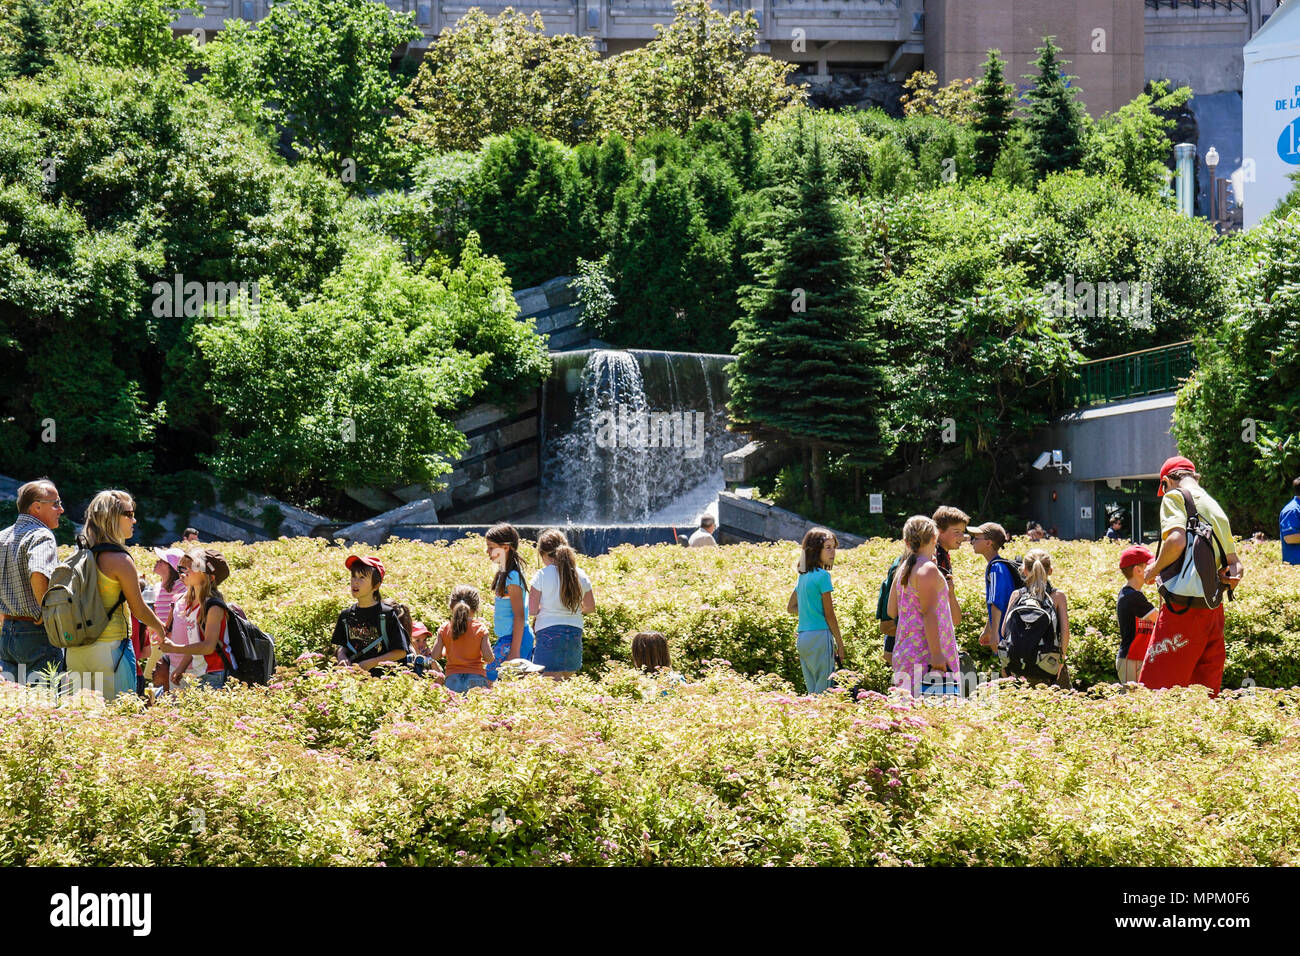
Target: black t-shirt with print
{"points": [[359, 634], [1130, 605]]}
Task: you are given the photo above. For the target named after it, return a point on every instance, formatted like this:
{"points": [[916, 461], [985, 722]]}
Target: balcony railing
{"points": [[1133, 375], [1227, 6]]}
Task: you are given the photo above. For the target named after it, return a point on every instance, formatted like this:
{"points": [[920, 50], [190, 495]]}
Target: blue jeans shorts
{"points": [[460, 683], [559, 648]]}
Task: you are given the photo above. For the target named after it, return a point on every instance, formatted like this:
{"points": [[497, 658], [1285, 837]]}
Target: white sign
{"points": [[1085, 512], [1270, 117], [877, 504]]}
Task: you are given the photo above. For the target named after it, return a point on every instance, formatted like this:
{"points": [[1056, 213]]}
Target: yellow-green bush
{"points": [[729, 603], [329, 766]]}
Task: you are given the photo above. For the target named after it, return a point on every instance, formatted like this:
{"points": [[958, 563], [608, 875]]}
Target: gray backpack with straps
{"points": [[72, 611]]}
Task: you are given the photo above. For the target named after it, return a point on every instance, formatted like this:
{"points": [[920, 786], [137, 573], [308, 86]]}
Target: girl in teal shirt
{"points": [[514, 636], [820, 646]]}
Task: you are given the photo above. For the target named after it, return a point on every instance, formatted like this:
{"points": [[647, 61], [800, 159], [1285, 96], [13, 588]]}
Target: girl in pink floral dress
{"points": [[926, 606]]}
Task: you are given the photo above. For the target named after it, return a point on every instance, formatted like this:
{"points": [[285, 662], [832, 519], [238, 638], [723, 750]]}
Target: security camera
{"points": [[1058, 459], [1042, 460]]}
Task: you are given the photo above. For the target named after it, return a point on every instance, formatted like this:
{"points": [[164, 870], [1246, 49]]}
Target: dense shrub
{"points": [[330, 767]]}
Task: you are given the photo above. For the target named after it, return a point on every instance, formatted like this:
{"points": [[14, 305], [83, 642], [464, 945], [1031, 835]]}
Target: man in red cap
{"points": [[1135, 613], [1187, 647]]}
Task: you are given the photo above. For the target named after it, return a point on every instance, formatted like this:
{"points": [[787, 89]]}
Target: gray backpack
{"points": [[72, 610]]}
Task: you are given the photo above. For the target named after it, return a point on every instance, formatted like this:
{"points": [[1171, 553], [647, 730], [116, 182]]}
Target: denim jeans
{"points": [[213, 681], [460, 683], [25, 652], [559, 648]]}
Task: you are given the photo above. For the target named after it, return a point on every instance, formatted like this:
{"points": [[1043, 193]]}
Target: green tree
{"points": [[671, 271], [698, 66], [527, 204], [27, 47], [491, 75], [994, 104], [355, 387], [321, 69], [1054, 120], [1132, 145], [807, 360]]}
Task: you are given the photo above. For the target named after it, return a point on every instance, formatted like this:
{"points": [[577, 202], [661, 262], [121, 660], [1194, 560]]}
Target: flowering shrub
{"points": [[729, 603], [328, 766]]}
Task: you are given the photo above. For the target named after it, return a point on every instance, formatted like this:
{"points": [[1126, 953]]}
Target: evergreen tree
{"points": [[993, 105], [1055, 120], [32, 24], [807, 366]]}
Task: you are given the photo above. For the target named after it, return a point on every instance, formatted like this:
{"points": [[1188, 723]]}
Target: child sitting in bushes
{"points": [[820, 647], [465, 642], [1137, 615], [421, 656], [372, 630], [650, 653]]}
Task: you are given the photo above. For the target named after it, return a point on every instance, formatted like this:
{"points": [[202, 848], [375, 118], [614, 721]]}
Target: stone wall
{"points": [[553, 307], [498, 476], [743, 519]]}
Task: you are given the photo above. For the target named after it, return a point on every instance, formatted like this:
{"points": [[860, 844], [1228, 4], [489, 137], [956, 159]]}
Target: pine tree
{"points": [[1055, 120], [807, 366], [32, 24], [993, 106]]}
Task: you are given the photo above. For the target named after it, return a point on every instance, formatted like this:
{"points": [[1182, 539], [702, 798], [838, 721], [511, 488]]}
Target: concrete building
{"points": [[1113, 46], [1102, 41]]}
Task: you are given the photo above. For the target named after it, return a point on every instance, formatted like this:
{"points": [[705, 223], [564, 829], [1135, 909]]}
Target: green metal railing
{"points": [[1148, 372]]}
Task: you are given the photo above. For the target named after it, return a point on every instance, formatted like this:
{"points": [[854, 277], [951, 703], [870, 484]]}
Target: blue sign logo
{"points": [[1288, 144]]}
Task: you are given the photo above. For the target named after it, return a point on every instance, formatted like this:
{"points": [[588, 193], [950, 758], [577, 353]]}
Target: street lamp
{"points": [[1212, 161]]}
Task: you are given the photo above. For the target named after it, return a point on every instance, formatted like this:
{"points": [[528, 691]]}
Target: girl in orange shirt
{"points": [[465, 642]]}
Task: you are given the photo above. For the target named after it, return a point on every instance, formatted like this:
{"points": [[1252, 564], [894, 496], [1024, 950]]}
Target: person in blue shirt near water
{"points": [[1289, 527], [514, 636], [820, 649]]}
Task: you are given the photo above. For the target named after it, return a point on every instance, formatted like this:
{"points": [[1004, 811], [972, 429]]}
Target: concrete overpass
{"points": [[1114, 441]]}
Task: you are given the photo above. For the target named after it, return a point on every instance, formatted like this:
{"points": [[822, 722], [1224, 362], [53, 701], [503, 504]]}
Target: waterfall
{"points": [[633, 437]]}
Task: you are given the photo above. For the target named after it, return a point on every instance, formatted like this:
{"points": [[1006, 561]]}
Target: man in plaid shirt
{"points": [[28, 555]]}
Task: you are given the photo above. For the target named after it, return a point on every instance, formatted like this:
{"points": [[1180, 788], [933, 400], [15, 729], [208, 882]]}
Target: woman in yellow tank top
{"points": [[108, 665]]}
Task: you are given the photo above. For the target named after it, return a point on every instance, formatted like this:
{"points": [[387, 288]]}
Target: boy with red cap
{"points": [[1136, 614], [371, 631], [1187, 647]]}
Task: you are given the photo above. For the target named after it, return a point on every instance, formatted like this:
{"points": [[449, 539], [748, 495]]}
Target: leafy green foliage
{"points": [[128, 34], [27, 40], [490, 76], [357, 385], [527, 202], [1238, 417], [113, 184], [1132, 145]]}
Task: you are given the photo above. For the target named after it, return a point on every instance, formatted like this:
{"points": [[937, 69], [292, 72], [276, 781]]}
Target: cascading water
{"points": [[633, 437]]}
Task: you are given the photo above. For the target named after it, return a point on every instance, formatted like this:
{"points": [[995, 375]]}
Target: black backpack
{"points": [[251, 647], [1017, 579], [1030, 634]]}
